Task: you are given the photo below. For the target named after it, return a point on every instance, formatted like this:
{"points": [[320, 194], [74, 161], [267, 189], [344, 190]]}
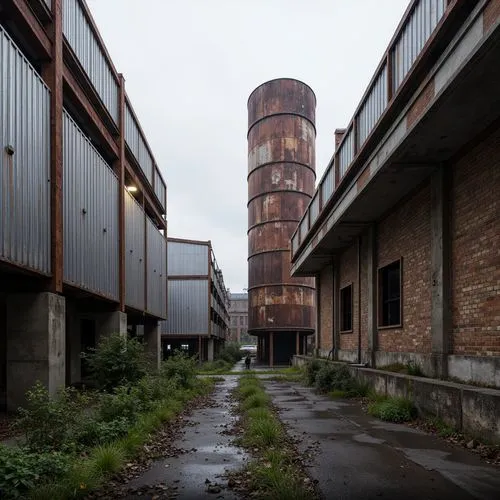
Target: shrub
{"points": [[48, 422], [393, 410], [413, 368], [312, 369], [123, 403], [22, 470], [93, 432], [336, 378], [181, 368], [117, 361], [231, 353]]}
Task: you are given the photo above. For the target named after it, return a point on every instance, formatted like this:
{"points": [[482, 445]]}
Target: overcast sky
{"points": [[190, 66]]}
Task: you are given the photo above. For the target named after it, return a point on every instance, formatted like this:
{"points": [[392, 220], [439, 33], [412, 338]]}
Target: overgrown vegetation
{"points": [[273, 472], [76, 439], [393, 410], [225, 360]]}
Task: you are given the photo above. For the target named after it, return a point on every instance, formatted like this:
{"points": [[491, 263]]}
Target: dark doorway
{"points": [[88, 337], [284, 347]]}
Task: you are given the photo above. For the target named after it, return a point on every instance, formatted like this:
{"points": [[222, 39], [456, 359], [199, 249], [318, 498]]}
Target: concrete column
{"points": [[111, 322], [152, 340], [210, 353], [336, 308], [440, 271], [36, 331], [73, 344], [371, 242]]}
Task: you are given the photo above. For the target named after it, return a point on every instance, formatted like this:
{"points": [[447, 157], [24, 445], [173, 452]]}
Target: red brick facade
{"points": [[326, 310], [475, 250], [349, 276], [406, 234]]}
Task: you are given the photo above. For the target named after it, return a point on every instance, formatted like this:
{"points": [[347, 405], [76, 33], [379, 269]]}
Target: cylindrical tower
{"points": [[281, 177]]}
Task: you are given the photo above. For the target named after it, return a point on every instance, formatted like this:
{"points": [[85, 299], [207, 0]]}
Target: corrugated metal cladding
{"points": [[327, 184], [160, 189], [137, 145], [156, 271], [82, 40], [422, 22], [135, 262], [90, 215], [373, 107], [24, 175], [314, 208], [187, 307], [346, 153], [187, 259]]}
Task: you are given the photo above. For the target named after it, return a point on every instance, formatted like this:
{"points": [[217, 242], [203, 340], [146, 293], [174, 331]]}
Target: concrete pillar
{"points": [[73, 344], [210, 353], [371, 242], [36, 331], [336, 308], [111, 322], [152, 340], [440, 271]]}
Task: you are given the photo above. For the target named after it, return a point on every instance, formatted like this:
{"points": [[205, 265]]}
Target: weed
{"points": [[107, 459], [393, 410], [259, 413], [259, 400], [413, 368], [264, 432], [180, 367], [312, 369]]}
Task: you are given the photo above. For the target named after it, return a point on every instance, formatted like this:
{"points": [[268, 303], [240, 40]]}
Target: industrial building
{"points": [[403, 231], [238, 317], [198, 301], [281, 176], [82, 200]]}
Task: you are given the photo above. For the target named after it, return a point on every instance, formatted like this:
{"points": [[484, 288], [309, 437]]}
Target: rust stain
{"points": [[491, 14], [418, 107]]}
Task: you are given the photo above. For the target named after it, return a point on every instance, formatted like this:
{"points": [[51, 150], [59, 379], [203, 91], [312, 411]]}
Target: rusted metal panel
{"points": [[417, 30], [156, 271], [90, 215], [187, 307], [281, 164], [187, 259], [135, 261], [24, 161], [85, 45]]}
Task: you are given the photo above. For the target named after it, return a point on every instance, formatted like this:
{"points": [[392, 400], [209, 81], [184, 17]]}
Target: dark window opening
{"points": [[390, 294], [346, 309]]}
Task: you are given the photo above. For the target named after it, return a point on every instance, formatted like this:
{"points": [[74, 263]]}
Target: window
{"points": [[389, 293], [346, 309]]}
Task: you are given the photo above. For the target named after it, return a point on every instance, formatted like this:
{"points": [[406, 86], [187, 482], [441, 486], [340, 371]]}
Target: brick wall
{"points": [[326, 309], [406, 233], [349, 275], [475, 250]]}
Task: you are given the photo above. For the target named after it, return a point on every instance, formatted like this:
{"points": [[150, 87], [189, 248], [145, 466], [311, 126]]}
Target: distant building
{"points": [[238, 315], [198, 320]]}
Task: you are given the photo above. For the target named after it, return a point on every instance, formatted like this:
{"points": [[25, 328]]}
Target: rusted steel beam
{"points": [[53, 76], [121, 196]]}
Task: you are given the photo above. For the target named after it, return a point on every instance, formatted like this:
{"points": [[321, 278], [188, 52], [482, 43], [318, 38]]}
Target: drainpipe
{"points": [[359, 299]]}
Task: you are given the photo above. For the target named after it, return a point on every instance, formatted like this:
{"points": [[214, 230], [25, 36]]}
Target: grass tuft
{"points": [[107, 459]]}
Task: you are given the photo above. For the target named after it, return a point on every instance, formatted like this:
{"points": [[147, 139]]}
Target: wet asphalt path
{"points": [[199, 473], [354, 456]]}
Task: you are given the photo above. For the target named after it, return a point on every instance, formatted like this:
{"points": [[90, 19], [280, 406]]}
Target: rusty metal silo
{"points": [[281, 177]]}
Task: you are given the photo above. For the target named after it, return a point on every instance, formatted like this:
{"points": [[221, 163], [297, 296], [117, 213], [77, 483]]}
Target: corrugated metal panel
{"points": [[160, 189], [295, 243], [81, 38], [373, 107], [187, 307], [24, 176], [137, 145], [415, 34], [156, 271], [304, 227], [187, 259], [314, 208], [135, 262], [328, 184], [90, 215], [346, 153]]}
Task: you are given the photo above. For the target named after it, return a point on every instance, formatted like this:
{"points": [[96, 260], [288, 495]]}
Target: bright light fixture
{"points": [[131, 189]]}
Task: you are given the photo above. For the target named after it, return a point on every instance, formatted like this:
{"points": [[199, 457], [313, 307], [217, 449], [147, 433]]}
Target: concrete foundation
{"points": [[210, 349], [152, 339], [36, 331], [111, 322]]}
